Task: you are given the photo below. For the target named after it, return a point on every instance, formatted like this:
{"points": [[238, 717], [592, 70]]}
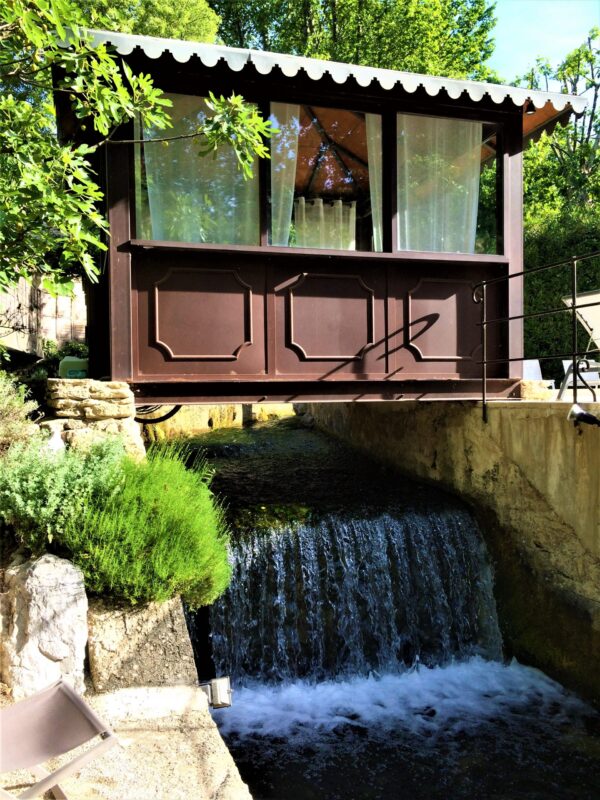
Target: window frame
{"points": [[263, 96]]}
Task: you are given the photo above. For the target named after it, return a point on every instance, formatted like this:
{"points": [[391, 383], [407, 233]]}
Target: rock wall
{"points": [[43, 624], [533, 479], [83, 411], [145, 646]]}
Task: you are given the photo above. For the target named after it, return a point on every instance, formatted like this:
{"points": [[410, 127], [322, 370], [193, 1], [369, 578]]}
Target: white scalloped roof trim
{"points": [[236, 59]]}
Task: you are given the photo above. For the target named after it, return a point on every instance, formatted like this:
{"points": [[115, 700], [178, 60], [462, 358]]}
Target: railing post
{"points": [[574, 326]]}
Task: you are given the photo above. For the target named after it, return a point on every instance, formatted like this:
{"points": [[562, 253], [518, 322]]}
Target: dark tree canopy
{"points": [[443, 37]]}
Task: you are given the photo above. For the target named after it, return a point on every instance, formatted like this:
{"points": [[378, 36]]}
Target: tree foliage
{"points": [[193, 20], [562, 170], [49, 223], [50, 226], [442, 37], [562, 201]]}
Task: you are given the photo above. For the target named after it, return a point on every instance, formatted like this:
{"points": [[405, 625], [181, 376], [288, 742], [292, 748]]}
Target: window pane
{"points": [[184, 197], [442, 206], [325, 178]]}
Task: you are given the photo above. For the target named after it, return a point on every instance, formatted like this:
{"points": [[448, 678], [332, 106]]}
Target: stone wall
{"points": [[140, 646], [534, 480], [194, 419], [82, 411]]}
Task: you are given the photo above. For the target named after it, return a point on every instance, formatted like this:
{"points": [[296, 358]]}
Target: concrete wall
{"points": [[534, 480], [194, 419]]}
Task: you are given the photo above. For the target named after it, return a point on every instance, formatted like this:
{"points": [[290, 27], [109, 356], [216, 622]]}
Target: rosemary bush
{"points": [[139, 531], [15, 409]]}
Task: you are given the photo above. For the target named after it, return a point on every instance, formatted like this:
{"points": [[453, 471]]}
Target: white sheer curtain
{"points": [[375, 177], [193, 198], [329, 225], [438, 183], [284, 157]]}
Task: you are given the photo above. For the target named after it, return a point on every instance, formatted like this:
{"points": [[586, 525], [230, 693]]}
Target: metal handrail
{"points": [[480, 297]]}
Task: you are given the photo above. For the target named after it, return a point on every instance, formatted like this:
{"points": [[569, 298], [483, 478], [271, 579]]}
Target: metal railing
{"points": [[576, 356]]}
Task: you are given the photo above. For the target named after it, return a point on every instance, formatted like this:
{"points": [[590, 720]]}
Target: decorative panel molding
{"points": [[330, 317], [442, 317], [202, 314]]}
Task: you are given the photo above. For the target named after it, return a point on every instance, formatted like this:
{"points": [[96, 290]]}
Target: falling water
{"points": [[364, 647], [346, 597]]}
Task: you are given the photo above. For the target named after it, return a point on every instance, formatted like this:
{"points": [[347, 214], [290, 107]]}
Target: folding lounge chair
{"points": [[588, 366], [44, 726], [532, 371]]}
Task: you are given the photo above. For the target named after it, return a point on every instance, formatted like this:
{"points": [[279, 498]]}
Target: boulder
{"points": [[44, 625]]}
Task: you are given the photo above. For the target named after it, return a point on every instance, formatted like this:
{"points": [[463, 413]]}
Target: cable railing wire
{"points": [[575, 355]]}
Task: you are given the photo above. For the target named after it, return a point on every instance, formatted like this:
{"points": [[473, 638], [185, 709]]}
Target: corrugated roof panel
{"points": [[264, 62]]}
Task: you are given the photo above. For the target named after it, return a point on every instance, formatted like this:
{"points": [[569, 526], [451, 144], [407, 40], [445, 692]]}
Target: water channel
{"points": [[361, 635]]}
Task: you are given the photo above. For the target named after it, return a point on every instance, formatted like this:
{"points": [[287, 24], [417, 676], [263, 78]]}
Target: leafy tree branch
{"points": [[50, 225]]}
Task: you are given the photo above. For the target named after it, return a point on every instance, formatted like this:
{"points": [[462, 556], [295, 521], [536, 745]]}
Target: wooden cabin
{"points": [[344, 270]]}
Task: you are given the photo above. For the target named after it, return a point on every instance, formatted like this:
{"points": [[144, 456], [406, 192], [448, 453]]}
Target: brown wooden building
{"points": [[344, 269]]}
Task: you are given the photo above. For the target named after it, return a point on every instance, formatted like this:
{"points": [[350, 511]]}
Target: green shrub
{"points": [[15, 409], [161, 534], [43, 491], [140, 531], [548, 242]]}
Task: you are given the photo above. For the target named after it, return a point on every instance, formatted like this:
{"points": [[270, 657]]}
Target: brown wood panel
{"points": [[330, 323], [441, 321], [119, 263], [222, 316], [198, 317], [513, 231], [433, 323], [326, 391]]}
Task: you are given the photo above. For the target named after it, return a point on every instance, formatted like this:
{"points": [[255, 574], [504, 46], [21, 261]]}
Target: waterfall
{"points": [[353, 596]]}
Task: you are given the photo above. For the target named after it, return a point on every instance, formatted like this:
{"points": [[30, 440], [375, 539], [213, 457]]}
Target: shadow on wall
{"points": [[532, 478]]}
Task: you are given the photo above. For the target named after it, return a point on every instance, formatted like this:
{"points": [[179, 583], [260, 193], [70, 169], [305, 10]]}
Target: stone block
{"points": [[536, 390], [73, 424], [105, 409], [44, 625], [54, 426], [64, 407], [110, 391], [82, 438], [131, 433], [145, 646], [68, 389]]}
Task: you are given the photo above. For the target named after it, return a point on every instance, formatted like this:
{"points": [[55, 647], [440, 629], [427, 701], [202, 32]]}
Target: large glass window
{"points": [[326, 183], [440, 166], [183, 197], [325, 178]]}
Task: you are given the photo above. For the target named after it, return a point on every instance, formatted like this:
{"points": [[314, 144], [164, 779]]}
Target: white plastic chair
{"points": [[46, 725], [588, 368], [532, 371]]}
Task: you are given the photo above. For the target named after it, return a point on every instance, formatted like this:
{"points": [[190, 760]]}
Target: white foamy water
{"points": [[425, 701]]}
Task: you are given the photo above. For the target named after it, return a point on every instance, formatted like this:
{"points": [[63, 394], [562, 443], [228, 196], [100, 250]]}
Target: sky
{"points": [[527, 29]]}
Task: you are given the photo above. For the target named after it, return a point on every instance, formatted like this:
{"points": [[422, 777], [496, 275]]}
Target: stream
{"points": [[361, 635]]}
